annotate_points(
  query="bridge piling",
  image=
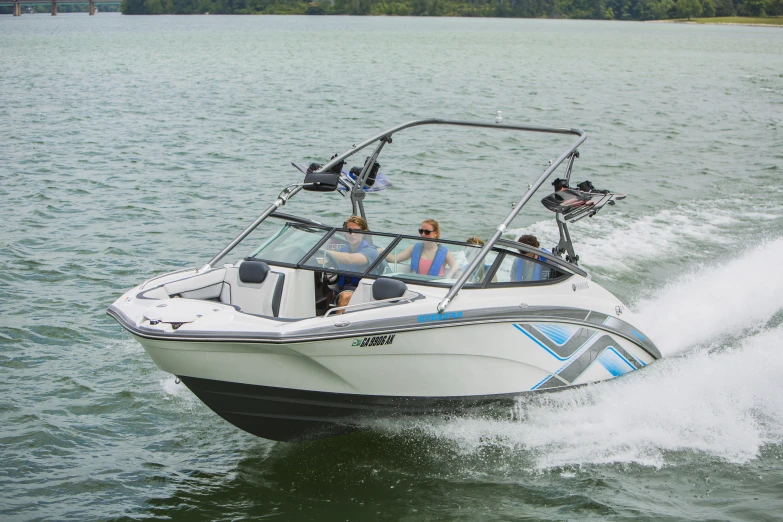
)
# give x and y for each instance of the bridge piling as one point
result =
(27, 6)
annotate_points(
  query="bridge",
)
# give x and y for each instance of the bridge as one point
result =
(92, 3)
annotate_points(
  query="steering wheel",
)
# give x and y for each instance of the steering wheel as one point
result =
(331, 277)
(328, 266)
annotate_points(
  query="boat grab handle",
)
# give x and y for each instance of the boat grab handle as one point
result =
(369, 304)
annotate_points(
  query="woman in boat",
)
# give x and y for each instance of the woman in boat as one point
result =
(357, 255)
(427, 257)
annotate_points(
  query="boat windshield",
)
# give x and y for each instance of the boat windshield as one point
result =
(387, 255)
(334, 255)
(427, 261)
(435, 261)
(290, 244)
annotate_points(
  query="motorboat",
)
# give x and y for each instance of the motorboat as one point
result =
(255, 334)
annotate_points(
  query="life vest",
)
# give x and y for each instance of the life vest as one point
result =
(518, 267)
(437, 263)
(346, 280)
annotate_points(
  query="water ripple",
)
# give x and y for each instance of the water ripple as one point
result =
(136, 147)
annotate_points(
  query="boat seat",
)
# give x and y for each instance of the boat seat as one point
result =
(205, 286)
(386, 288)
(256, 288)
(253, 271)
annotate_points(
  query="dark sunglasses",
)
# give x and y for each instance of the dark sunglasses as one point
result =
(426, 232)
(353, 231)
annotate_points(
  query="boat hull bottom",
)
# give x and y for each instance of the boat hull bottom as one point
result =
(290, 415)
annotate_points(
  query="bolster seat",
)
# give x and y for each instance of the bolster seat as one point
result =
(258, 289)
(387, 288)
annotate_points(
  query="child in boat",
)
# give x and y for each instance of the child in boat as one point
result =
(480, 271)
(526, 271)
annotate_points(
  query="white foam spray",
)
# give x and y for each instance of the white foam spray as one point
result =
(173, 389)
(617, 243)
(726, 404)
(722, 396)
(712, 302)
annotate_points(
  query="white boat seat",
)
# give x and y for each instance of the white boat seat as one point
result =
(386, 288)
(256, 288)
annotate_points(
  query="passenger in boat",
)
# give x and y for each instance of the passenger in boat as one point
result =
(529, 240)
(524, 271)
(358, 256)
(479, 276)
(427, 258)
(482, 270)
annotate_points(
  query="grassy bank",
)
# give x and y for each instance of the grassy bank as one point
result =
(740, 20)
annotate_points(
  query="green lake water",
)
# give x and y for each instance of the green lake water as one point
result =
(133, 146)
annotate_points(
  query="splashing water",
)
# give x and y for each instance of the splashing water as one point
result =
(616, 242)
(726, 404)
(173, 389)
(723, 398)
(740, 295)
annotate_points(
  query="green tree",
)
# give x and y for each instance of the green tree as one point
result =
(751, 8)
(774, 7)
(724, 8)
(419, 7)
(153, 7)
(132, 7)
(688, 8)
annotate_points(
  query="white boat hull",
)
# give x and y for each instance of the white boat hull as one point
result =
(312, 389)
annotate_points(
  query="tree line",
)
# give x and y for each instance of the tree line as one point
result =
(581, 9)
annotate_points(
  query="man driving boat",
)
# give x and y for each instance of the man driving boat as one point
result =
(356, 256)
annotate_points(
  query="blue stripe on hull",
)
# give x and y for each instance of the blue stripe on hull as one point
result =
(580, 347)
(615, 363)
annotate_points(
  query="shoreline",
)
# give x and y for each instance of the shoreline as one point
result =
(755, 23)
(708, 23)
(667, 21)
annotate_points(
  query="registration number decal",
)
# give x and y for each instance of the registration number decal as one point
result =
(378, 340)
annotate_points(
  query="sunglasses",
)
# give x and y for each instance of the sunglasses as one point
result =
(426, 232)
(354, 231)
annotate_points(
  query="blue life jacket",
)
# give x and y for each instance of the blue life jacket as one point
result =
(518, 266)
(437, 263)
(345, 280)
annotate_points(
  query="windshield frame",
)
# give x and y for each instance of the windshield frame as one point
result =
(502, 251)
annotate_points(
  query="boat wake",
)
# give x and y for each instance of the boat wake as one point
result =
(618, 243)
(718, 391)
(726, 403)
(729, 302)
